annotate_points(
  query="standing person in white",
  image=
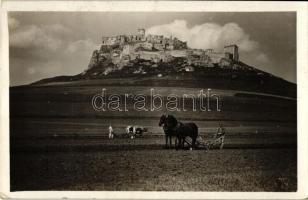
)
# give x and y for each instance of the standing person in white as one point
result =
(110, 132)
(220, 135)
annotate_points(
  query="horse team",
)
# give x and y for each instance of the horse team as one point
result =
(173, 128)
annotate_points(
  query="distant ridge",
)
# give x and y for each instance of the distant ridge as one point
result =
(175, 73)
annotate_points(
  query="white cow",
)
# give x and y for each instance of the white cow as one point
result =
(133, 131)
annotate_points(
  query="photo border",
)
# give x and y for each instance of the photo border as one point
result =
(158, 6)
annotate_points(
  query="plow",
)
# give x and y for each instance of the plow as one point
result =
(207, 144)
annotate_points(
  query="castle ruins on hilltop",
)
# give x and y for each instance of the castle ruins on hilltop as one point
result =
(157, 48)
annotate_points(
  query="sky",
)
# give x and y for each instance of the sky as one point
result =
(48, 44)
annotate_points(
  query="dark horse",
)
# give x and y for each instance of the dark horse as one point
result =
(169, 123)
(174, 128)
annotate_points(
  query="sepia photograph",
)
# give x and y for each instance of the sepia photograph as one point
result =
(157, 100)
(153, 102)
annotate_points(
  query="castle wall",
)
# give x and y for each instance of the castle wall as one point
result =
(169, 47)
(224, 62)
(179, 44)
(128, 49)
(198, 52)
(109, 40)
(147, 45)
(141, 31)
(178, 53)
(216, 57)
(141, 46)
(156, 39)
(155, 56)
(159, 47)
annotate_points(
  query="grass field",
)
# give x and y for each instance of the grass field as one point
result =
(156, 169)
(58, 142)
(75, 102)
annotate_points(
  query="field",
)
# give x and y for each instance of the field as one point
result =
(58, 142)
(140, 165)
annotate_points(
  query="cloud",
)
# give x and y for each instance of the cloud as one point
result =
(213, 36)
(261, 57)
(35, 37)
(13, 23)
(57, 30)
(47, 39)
(207, 35)
(81, 45)
(31, 70)
(41, 51)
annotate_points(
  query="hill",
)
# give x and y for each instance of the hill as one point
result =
(155, 60)
(178, 72)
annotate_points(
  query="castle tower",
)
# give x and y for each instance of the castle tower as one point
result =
(232, 49)
(209, 51)
(141, 31)
(141, 34)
